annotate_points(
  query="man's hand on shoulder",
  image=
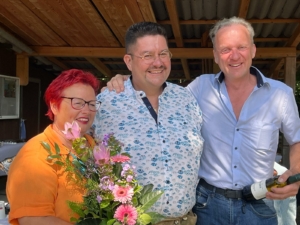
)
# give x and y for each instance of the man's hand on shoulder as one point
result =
(116, 83)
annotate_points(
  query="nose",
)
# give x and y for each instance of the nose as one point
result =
(157, 60)
(234, 54)
(85, 107)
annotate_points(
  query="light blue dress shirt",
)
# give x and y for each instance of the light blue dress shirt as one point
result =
(239, 152)
(166, 153)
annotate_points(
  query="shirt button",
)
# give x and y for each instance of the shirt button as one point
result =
(237, 129)
(235, 148)
(235, 185)
(234, 166)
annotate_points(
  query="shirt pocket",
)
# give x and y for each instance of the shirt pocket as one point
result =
(267, 135)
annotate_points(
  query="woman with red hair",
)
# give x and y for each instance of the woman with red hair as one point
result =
(38, 191)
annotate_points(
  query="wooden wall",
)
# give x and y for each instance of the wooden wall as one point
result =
(9, 128)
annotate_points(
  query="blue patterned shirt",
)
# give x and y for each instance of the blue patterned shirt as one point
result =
(166, 153)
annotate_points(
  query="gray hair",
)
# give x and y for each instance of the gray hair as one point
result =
(228, 22)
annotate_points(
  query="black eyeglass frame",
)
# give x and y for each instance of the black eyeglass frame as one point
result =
(97, 103)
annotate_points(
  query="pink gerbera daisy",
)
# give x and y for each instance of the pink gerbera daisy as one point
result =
(123, 194)
(126, 214)
(120, 158)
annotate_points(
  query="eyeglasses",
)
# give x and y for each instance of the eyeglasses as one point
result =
(149, 58)
(79, 103)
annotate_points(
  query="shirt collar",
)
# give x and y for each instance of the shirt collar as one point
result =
(142, 93)
(261, 80)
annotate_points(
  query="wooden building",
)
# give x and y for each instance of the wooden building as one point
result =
(39, 39)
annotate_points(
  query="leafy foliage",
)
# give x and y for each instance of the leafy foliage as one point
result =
(103, 171)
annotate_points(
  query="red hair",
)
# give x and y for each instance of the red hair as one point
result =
(66, 79)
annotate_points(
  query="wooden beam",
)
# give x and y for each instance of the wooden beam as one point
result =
(100, 66)
(275, 52)
(294, 39)
(172, 11)
(58, 63)
(22, 70)
(186, 69)
(105, 9)
(195, 22)
(243, 10)
(290, 72)
(146, 10)
(187, 53)
(278, 64)
(78, 52)
(134, 11)
(199, 40)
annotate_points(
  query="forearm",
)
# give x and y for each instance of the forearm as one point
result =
(295, 158)
(45, 220)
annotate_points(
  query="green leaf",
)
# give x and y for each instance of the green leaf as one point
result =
(53, 156)
(59, 163)
(149, 199)
(103, 222)
(117, 169)
(126, 154)
(75, 207)
(117, 223)
(145, 218)
(57, 150)
(90, 221)
(111, 222)
(134, 201)
(46, 146)
(73, 219)
(155, 217)
(147, 189)
(104, 204)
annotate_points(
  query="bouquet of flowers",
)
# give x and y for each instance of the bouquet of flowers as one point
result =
(113, 195)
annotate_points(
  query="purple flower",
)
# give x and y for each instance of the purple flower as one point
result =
(106, 138)
(129, 178)
(99, 199)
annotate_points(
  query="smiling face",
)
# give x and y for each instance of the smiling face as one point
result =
(147, 76)
(65, 113)
(234, 51)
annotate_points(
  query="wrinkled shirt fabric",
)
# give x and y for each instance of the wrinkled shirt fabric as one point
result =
(166, 153)
(239, 152)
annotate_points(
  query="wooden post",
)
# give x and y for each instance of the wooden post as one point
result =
(290, 80)
(22, 69)
(290, 72)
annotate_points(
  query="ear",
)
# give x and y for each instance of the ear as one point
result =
(216, 57)
(54, 108)
(128, 60)
(253, 50)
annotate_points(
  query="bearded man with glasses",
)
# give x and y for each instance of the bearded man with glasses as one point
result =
(158, 122)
